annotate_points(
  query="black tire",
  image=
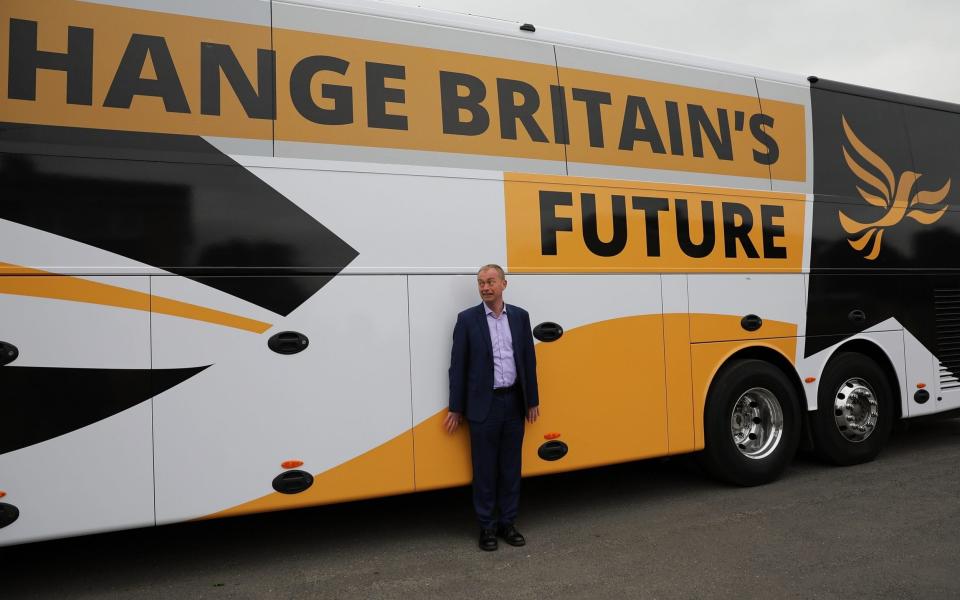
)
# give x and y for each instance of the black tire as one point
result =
(721, 456)
(830, 443)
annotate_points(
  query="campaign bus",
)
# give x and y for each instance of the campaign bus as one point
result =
(235, 235)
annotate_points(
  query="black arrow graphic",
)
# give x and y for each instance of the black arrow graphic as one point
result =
(171, 201)
(40, 403)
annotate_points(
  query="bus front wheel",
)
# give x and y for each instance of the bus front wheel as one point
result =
(751, 423)
(854, 410)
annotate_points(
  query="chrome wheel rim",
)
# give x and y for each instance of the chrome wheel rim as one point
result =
(855, 410)
(756, 423)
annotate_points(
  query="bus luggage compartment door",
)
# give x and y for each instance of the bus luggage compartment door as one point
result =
(75, 443)
(337, 411)
(745, 307)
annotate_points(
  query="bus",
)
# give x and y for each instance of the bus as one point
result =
(235, 235)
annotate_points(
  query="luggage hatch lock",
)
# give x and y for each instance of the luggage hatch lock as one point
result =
(8, 353)
(8, 514)
(292, 482)
(548, 332)
(288, 342)
(553, 450)
(751, 322)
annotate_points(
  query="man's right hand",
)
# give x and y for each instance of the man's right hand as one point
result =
(452, 421)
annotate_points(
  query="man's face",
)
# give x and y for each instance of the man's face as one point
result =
(491, 286)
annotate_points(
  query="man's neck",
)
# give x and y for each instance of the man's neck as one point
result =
(497, 308)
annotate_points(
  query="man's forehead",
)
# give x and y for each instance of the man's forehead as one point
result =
(488, 274)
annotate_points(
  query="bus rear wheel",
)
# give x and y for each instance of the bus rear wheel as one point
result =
(751, 423)
(854, 410)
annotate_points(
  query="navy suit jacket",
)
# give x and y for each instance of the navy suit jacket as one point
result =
(471, 362)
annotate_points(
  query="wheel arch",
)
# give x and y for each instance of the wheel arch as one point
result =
(767, 354)
(881, 357)
(718, 458)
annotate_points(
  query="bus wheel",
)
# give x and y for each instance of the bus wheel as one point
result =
(854, 410)
(751, 423)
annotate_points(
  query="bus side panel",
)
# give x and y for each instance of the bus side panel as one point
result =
(720, 309)
(75, 443)
(921, 367)
(442, 460)
(341, 406)
(911, 363)
(647, 120)
(420, 221)
(886, 208)
(676, 339)
(601, 384)
(788, 131)
(933, 142)
(413, 93)
(720, 305)
(194, 55)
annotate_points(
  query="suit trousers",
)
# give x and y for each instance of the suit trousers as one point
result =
(495, 448)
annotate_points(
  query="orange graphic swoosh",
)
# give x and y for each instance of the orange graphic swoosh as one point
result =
(76, 289)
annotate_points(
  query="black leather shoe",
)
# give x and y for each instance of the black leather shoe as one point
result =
(488, 540)
(510, 535)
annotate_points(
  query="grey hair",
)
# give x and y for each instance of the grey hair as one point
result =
(496, 268)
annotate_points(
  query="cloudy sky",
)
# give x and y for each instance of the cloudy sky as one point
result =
(909, 47)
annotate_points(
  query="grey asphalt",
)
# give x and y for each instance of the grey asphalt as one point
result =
(651, 529)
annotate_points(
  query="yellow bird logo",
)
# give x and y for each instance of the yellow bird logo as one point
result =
(895, 195)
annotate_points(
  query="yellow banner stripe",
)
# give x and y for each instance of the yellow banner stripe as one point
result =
(577, 224)
(160, 72)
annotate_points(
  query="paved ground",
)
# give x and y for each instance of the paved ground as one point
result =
(655, 529)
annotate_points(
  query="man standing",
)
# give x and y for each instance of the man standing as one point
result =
(493, 381)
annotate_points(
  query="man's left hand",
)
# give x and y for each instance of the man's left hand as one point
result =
(452, 421)
(532, 413)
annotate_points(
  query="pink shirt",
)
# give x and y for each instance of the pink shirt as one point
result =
(504, 366)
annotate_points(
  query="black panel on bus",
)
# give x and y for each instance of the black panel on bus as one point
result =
(886, 248)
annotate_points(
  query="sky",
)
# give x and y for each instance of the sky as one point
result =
(907, 47)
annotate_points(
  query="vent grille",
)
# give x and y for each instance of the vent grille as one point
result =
(948, 381)
(946, 304)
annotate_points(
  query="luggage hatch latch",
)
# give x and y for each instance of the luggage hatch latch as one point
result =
(8, 514)
(8, 353)
(553, 450)
(548, 332)
(292, 482)
(288, 342)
